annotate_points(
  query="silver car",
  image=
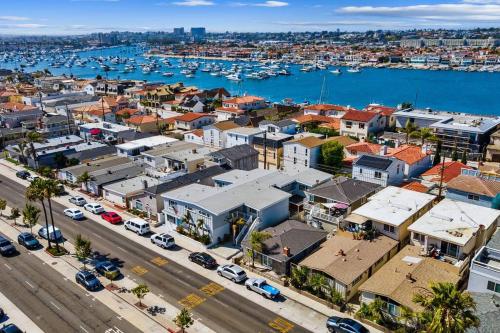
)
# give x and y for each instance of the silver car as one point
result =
(232, 272)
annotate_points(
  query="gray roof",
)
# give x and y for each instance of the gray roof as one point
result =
(344, 190)
(117, 173)
(295, 235)
(488, 311)
(374, 162)
(94, 153)
(104, 163)
(494, 242)
(235, 153)
(131, 185)
(170, 147)
(280, 123)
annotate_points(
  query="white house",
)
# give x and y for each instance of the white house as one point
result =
(379, 170)
(416, 160)
(195, 136)
(484, 274)
(89, 88)
(192, 120)
(302, 153)
(329, 110)
(241, 135)
(361, 124)
(135, 147)
(215, 135)
(245, 103)
(286, 126)
(119, 193)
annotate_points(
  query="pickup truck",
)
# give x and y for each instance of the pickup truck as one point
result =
(260, 286)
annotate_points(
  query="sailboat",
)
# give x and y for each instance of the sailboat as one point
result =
(336, 71)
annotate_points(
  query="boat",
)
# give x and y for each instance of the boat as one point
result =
(336, 71)
(354, 70)
(190, 76)
(234, 77)
(168, 74)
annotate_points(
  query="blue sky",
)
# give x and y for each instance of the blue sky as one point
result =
(84, 16)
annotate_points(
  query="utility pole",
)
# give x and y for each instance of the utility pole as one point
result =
(265, 150)
(68, 119)
(441, 179)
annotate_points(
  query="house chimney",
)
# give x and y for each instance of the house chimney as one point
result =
(286, 251)
(145, 183)
(383, 150)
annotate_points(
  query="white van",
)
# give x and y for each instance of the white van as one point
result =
(138, 226)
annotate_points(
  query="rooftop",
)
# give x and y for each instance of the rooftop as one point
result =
(190, 116)
(245, 130)
(374, 162)
(409, 154)
(104, 163)
(454, 221)
(132, 185)
(110, 127)
(393, 205)
(146, 142)
(345, 190)
(476, 185)
(362, 116)
(451, 170)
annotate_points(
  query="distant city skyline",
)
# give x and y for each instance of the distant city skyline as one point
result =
(71, 17)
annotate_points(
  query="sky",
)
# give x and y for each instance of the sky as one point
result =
(63, 17)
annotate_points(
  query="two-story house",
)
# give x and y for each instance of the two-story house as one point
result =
(191, 121)
(215, 135)
(286, 126)
(379, 170)
(361, 124)
(474, 190)
(329, 110)
(237, 106)
(241, 135)
(270, 148)
(484, 274)
(416, 161)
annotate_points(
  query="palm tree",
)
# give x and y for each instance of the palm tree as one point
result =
(299, 276)
(450, 310)
(200, 223)
(187, 219)
(31, 214)
(424, 134)
(317, 283)
(257, 239)
(408, 129)
(50, 188)
(84, 178)
(21, 149)
(34, 192)
(31, 138)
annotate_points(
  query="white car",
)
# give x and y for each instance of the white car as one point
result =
(79, 201)
(31, 178)
(74, 213)
(163, 240)
(232, 272)
(94, 208)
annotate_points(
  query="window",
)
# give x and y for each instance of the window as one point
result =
(348, 124)
(389, 228)
(449, 249)
(361, 125)
(294, 160)
(295, 150)
(419, 237)
(397, 170)
(360, 170)
(378, 174)
(305, 162)
(493, 286)
(306, 151)
(471, 196)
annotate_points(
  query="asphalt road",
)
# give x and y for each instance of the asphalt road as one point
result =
(225, 311)
(52, 303)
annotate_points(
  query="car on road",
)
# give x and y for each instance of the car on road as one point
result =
(94, 208)
(163, 240)
(260, 286)
(107, 269)
(10, 328)
(88, 280)
(203, 259)
(6, 247)
(112, 217)
(23, 174)
(31, 178)
(74, 213)
(27, 240)
(55, 233)
(79, 201)
(138, 226)
(232, 272)
(344, 325)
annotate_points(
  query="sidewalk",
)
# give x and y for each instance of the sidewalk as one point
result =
(297, 308)
(13, 315)
(121, 303)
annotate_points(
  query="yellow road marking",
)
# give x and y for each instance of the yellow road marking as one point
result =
(212, 288)
(139, 270)
(191, 300)
(159, 261)
(281, 325)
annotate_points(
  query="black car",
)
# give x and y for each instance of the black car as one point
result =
(28, 241)
(6, 247)
(2, 314)
(10, 328)
(23, 174)
(344, 325)
(203, 259)
(88, 280)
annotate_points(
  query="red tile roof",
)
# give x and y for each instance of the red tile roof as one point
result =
(363, 116)
(12, 106)
(475, 185)
(408, 154)
(364, 147)
(451, 170)
(383, 110)
(128, 111)
(243, 99)
(327, 107)
(417, 187)
(190, 116)
(307, 118)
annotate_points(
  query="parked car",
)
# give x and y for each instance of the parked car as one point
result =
(138, 226)
(23, 174)
(55, 233)
(163, 240)
(261, 287)
(232, 272)
(111, 217)
(79, 201)
(88, 280)
(2, 314)
(6, 247)
(94, 207)
(344, 325)
(28, 240)
(74, 213)
(60, 190)
(31, 178)
(107, 269)
(203, 259)
(10, 328)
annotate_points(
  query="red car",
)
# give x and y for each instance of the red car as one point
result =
(112, 217)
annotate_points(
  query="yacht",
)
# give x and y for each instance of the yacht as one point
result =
(168, 74)
(234, 77)
(354, 70)
(336, 71)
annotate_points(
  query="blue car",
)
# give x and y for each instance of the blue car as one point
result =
(10, 328)
(6, 247)
(28, 241)
(336, 324)
(88, 280)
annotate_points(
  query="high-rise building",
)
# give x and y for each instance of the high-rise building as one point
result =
(179, 31)
(198, 33)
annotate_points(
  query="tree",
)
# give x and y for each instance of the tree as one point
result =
(454, 154)
(61, 160)
(34, 192)
(50, 189)
(21, 149)
(31, 214)
(187, 219)
(140, 291)
(408, 129)
(257, 239)
(317, 283)
(200, 223)
(84, 178)
(14, 214)
(31, 138)
(83, 249)
(332, 154)
(3, 205)
(98, 77)
(334, 296)
(424, 134)
(449, 310)
(184, 319)
(299, 276)
(464, 157)
(437, 155)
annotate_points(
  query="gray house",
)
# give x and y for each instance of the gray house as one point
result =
(101, 178)
(243, 157)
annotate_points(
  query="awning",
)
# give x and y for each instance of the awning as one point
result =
(355, 218)
(95, 131)
(328, 204)
(341, 206)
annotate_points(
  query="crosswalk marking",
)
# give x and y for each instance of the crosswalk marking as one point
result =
(212, 288)
(191, 300)
(139, 270)
(159, 261)
(281, 325)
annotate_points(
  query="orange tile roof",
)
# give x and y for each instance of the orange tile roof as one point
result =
(243, 99)
(230, 110)
(451, 170)
(197, 132)
(364, 147)
(475, 185)
(417, 187)
(383, 110)
(408, 154)
(141, 119)
(356, 115)
(190, 116)
(335, 124)
(12, 106)
(128, 111)
(306, 118)
(327, 107)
